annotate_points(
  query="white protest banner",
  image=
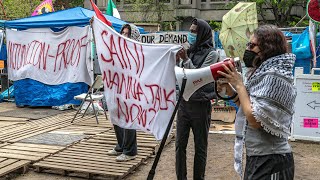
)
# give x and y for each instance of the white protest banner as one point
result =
(170, 37)
(312, 37)
(50, 57)
(139, 80)
(1, 38)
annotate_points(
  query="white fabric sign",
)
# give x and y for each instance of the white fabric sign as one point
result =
(170, 37)
(139, 80)
(1, 38)
(50, 57)
(312, 37)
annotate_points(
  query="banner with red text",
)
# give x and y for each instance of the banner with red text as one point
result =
(50, 57)
(139, 80)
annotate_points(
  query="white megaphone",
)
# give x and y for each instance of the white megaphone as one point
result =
(196, 78)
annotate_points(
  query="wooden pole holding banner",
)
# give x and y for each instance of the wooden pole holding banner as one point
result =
(92, 50)
(163, 141)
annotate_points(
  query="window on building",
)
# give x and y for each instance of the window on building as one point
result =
(185, 2)
(203, 0)
(134, 1)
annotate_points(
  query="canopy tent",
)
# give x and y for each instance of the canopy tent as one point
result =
(29, 92)
(77, 16)
(2, 24)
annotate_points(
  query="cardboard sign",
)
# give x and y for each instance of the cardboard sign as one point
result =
(1, 64)
(222, 113)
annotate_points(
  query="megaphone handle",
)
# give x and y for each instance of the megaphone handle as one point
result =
(163, 141)
(223, 98)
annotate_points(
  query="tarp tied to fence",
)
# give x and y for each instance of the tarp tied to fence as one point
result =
(139, 80)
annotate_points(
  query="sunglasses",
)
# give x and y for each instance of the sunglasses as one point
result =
(251, 45)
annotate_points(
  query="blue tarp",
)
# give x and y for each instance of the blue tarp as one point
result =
(287, 33)
(29, 92)
(3, 52)
(217, 42)
(2, 24)
(5, 94)
(70, 17)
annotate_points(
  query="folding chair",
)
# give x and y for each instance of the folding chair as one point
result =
(90, 97)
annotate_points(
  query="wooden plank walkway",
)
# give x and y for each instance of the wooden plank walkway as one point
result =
(220, 127)
(26, 151)
(9, 165)
(18, 156)
(88, 126)
(89, 157)
(29, 129)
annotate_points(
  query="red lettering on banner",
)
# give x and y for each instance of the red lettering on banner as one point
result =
(122, 111)
(127, 86)
(107, 59)
(69, 53)
(131, 94)
(135, 112)
(122, 64)
(160, 98)
(118, 51)
(36, 53)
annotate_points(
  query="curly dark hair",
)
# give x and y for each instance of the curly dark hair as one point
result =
(271, 42)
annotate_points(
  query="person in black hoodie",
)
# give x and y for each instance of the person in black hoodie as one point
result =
(195, 113)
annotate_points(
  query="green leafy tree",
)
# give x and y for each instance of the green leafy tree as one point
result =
(23, 8)
(216, 26)
(19, 8)
(151, 9)
(281, 10)
(66, 4)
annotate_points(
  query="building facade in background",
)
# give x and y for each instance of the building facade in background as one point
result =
(179, 11)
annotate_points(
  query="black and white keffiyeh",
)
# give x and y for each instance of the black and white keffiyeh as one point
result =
(272, 96)
(135, 33)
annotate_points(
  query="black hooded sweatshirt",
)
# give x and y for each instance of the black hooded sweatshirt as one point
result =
(198, 53)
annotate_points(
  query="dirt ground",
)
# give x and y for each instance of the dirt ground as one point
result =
(219, 162)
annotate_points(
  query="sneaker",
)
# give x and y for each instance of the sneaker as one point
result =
(113, 152)
(124, 158)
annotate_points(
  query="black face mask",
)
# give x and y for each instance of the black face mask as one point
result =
(248, 58)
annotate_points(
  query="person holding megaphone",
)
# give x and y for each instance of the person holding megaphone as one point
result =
(266, 106)
(195, 113)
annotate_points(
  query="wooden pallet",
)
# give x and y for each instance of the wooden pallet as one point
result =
(10, 165)
(143, 139)
(103, 122)
(36, 127)
(222, 127)
(89, 157)
(7, 125)
(87, 126)
(29, 152)
(13, 119)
